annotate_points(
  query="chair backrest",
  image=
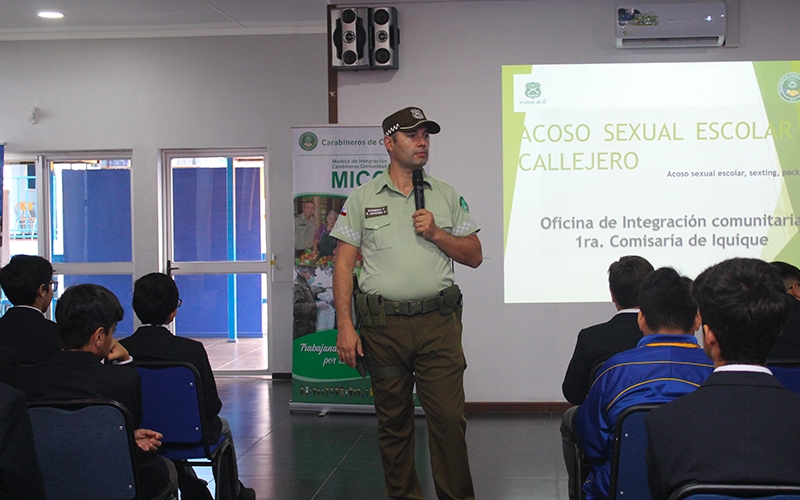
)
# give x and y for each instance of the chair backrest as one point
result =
(699, 491)
(593, 372)
(628, 467)
(86, 449)
(787, 373)
(172, 403)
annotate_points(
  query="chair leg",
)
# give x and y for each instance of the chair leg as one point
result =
(579, 474)
(225, 472)
(234, 482)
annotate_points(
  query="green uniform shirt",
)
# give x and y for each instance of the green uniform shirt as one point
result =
(398, 263)
(304, 231)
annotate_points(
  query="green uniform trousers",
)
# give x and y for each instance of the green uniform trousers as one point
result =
(428, 347)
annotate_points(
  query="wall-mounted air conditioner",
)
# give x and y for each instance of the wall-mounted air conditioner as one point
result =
(670, 25)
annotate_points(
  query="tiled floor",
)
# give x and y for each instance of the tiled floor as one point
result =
(303, 456)
(244, 354)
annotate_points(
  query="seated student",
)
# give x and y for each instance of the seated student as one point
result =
(9, 366)
(27, 281)
(597, 343)
(94, 365)
(667, 363)
(740, 426)
(787, 347)
(20, 476)
(156, 302)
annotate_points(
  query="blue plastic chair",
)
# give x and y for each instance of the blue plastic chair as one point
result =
(787, 373)
(699, 491)
(172, 404)
(86, 450)
(628, 466)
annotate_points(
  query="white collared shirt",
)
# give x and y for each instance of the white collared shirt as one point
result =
(34, 308)
(743, 368)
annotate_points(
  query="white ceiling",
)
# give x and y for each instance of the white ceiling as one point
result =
(146, 18)
(160, 18)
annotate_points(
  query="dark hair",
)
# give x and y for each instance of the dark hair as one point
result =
(788, 272)
(82, 309)
(743, 301)
(22, 277)
(155, 296)
(625, 277)
(666, 301)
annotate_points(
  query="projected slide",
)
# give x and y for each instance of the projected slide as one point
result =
(685, 164)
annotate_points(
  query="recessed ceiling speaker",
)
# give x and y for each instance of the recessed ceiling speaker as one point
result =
(384, 38)
(350, 48)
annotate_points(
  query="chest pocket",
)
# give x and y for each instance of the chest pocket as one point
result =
(377, 232)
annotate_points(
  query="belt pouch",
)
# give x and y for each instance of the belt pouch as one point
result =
(363, 309)
(377, 310)
(449, 298)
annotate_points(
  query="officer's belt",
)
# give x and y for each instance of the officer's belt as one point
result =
(411, 307)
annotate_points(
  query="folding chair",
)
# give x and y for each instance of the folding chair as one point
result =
(628, 466)
(86, 449)
(699, 491)
(172, 404)
(593, 372)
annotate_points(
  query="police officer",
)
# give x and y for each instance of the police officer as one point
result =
(409, 307)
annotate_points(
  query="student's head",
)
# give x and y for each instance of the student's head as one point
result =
(791, 277)
(666, 302)
(25, 278)
(743, 305)
(155, 298)
(84, 309)
(625, 278)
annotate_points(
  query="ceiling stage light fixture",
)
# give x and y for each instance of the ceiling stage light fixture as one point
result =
(51, 15)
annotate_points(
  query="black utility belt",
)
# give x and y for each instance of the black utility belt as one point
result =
(373, 308)
(411, 307)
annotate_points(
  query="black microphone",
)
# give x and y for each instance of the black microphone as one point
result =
(419, 189)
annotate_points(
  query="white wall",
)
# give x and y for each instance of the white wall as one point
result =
(151, 94)
(450, 65)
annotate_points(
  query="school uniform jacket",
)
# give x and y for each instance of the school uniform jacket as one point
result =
(595, 345)
(661, 368)
(30, 334)
(738, 427)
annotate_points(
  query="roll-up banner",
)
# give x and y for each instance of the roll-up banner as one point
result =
(2, 187)
(329, 161)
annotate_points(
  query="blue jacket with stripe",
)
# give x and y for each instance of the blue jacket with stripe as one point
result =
(659, 369)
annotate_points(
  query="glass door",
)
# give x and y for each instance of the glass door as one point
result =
(20, 229)
(87, 233)
(217, 252)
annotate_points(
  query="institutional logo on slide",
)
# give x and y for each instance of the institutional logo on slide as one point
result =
(789, 87)
(533, 90)
(308, 141)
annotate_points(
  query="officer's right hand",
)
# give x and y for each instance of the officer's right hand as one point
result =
(348, 345)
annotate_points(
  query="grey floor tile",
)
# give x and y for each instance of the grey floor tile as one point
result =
(306, 457)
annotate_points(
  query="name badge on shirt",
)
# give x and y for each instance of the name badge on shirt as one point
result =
(376, 211)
